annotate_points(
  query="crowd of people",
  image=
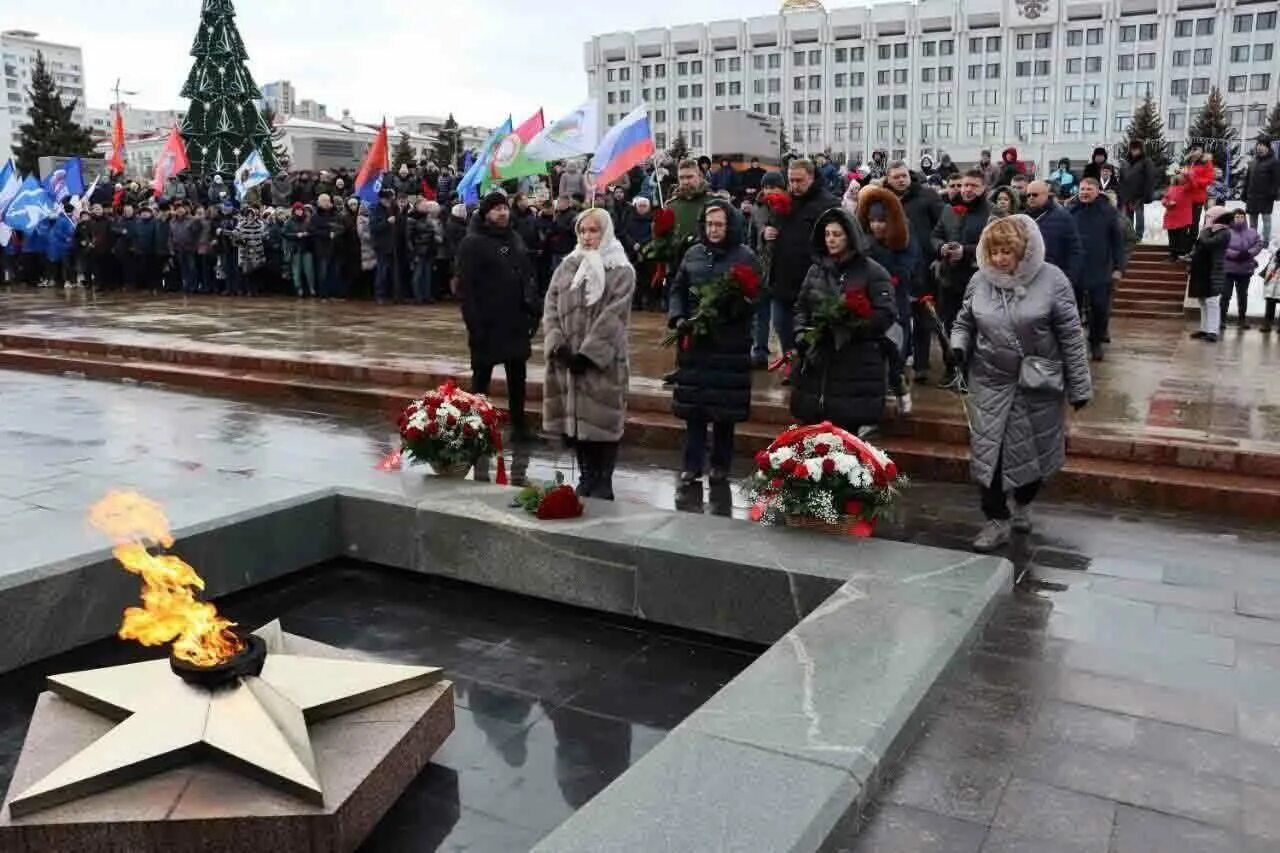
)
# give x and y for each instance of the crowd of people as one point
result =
(859, 274)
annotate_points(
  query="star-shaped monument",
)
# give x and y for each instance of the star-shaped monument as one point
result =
(258, 723)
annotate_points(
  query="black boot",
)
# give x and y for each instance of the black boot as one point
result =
(586, 468)
(606, 459)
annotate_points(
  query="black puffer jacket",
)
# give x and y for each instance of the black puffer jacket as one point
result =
(713, 376)
(1262, 184)
(499, 294)
(965, 229)
(923, 207)
(843, 384)
(421, 234)
(1208, 279)
(792, 250)
(1137, 184)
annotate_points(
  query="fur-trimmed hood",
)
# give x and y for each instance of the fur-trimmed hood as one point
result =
(899, 233)
(857, 239)
(1030, 265)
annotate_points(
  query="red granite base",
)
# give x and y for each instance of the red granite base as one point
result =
(365, 759)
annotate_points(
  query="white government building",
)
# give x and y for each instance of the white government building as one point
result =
(1055, 78)
(18, 49)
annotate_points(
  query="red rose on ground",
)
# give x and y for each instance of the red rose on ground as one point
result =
(858, 303)
(560, 502)
(747, 278)
(853, 507)
(822, 449)
(762, 461)
(828, 465)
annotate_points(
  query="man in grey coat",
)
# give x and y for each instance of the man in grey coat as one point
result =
(1019, 334)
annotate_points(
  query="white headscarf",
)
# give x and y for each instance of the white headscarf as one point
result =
(592, 263)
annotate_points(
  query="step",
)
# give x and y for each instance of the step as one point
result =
(1140, 314)
(1148, 283)
(930, 445)
(1128, 303)
(1164, 295)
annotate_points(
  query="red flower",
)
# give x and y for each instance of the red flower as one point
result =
(959, 209)
(777, 483)
(451, 421)
(822, 449)
(779, 203)
(858, 303)
(463, 406)
(789, 466)
(800, 471)
(468, 430)
(893, 279)
(663, 221)
(686, 343)
(762, 461)
(853, 507)
(828, 465)
(413, 434)
(560, 502)
(891, 471)
(862, 528)
(757, 512)
(433, 428)
(747, 278)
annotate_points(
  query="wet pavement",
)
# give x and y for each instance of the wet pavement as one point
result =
(1124, 699)
(1156, 382)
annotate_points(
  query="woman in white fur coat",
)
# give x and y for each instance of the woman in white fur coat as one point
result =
(585, 319)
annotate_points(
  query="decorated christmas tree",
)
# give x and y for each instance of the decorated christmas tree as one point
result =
(223, 123)
(1272, 130)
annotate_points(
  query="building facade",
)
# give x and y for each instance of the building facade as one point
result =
(18, 49)
(280, 96)
(138, 122)
(1054, 78)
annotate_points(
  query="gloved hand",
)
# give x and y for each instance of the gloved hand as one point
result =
(673, 322)
(580, 364)
(535, 323)
(1079, 404)
(958, 358)
(561, 356)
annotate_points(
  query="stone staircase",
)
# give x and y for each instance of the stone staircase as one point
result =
(1152, 287)
(1171, 471)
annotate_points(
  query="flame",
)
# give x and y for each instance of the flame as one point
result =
(170, 611)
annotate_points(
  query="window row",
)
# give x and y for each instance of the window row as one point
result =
(1200, 27)
(1256, 53)
(1249, 23)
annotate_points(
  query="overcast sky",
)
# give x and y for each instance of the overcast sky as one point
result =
(479, 59)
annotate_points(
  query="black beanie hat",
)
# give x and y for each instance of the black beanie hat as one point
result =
(492, 200)
(773, 179)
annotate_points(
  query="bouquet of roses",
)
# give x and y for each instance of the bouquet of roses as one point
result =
(550, 501)
(661, 249)
(823, 474)
(779, 204)
(837, 320)
(449, 428)
(719, 300)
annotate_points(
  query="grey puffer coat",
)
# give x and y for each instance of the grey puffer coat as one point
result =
(599, 332)
(1033, 309)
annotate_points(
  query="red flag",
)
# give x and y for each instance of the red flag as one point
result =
(173, 159)
(116, 163)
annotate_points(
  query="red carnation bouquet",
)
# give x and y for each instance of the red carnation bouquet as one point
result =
(550, 501)
(449, 429)
(721, 300)
(836, 321)
(823, 475)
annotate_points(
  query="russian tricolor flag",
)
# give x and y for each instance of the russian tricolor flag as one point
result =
(628, 143)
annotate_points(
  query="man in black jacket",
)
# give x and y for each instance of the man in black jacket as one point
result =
(1094, 168)
(1137, 186)
(955, 245)
(792, 246)
(751, 177)
(382, 227)
(1061, 239)
(500, 305)
(1262, 187)
(1102, 230)
(923, 208)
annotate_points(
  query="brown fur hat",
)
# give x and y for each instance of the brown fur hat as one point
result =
(898, 234)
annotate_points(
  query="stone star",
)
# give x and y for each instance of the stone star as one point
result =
(258, 723)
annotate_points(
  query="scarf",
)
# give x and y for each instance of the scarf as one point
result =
(592, 263)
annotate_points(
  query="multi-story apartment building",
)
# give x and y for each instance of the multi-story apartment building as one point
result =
(280, 96)
(1054, 78)
(18, 49)
(138, 122)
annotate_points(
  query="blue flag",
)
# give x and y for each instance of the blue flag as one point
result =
(59, 238)
(29, 207)
(66, 180)
(468, 187)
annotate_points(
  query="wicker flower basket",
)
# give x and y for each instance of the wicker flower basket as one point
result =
(843, 527)
(456, 471)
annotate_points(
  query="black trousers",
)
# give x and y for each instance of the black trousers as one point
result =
(995, 504)
(482, 375)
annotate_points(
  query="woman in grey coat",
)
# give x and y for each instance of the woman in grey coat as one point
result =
(588, 368)
(1019, 334)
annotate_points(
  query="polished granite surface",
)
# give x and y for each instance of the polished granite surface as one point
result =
(553, 702)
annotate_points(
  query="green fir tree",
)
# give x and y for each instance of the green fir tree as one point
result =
(679, 149)
(277, 147)
(1212, 132)
(223, 123)
(1272, 130)
(50, 130)
(1147, 128)
(403, 154)
(448, 144)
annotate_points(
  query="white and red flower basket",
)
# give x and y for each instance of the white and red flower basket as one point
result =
(825, 478)
(450, 430)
